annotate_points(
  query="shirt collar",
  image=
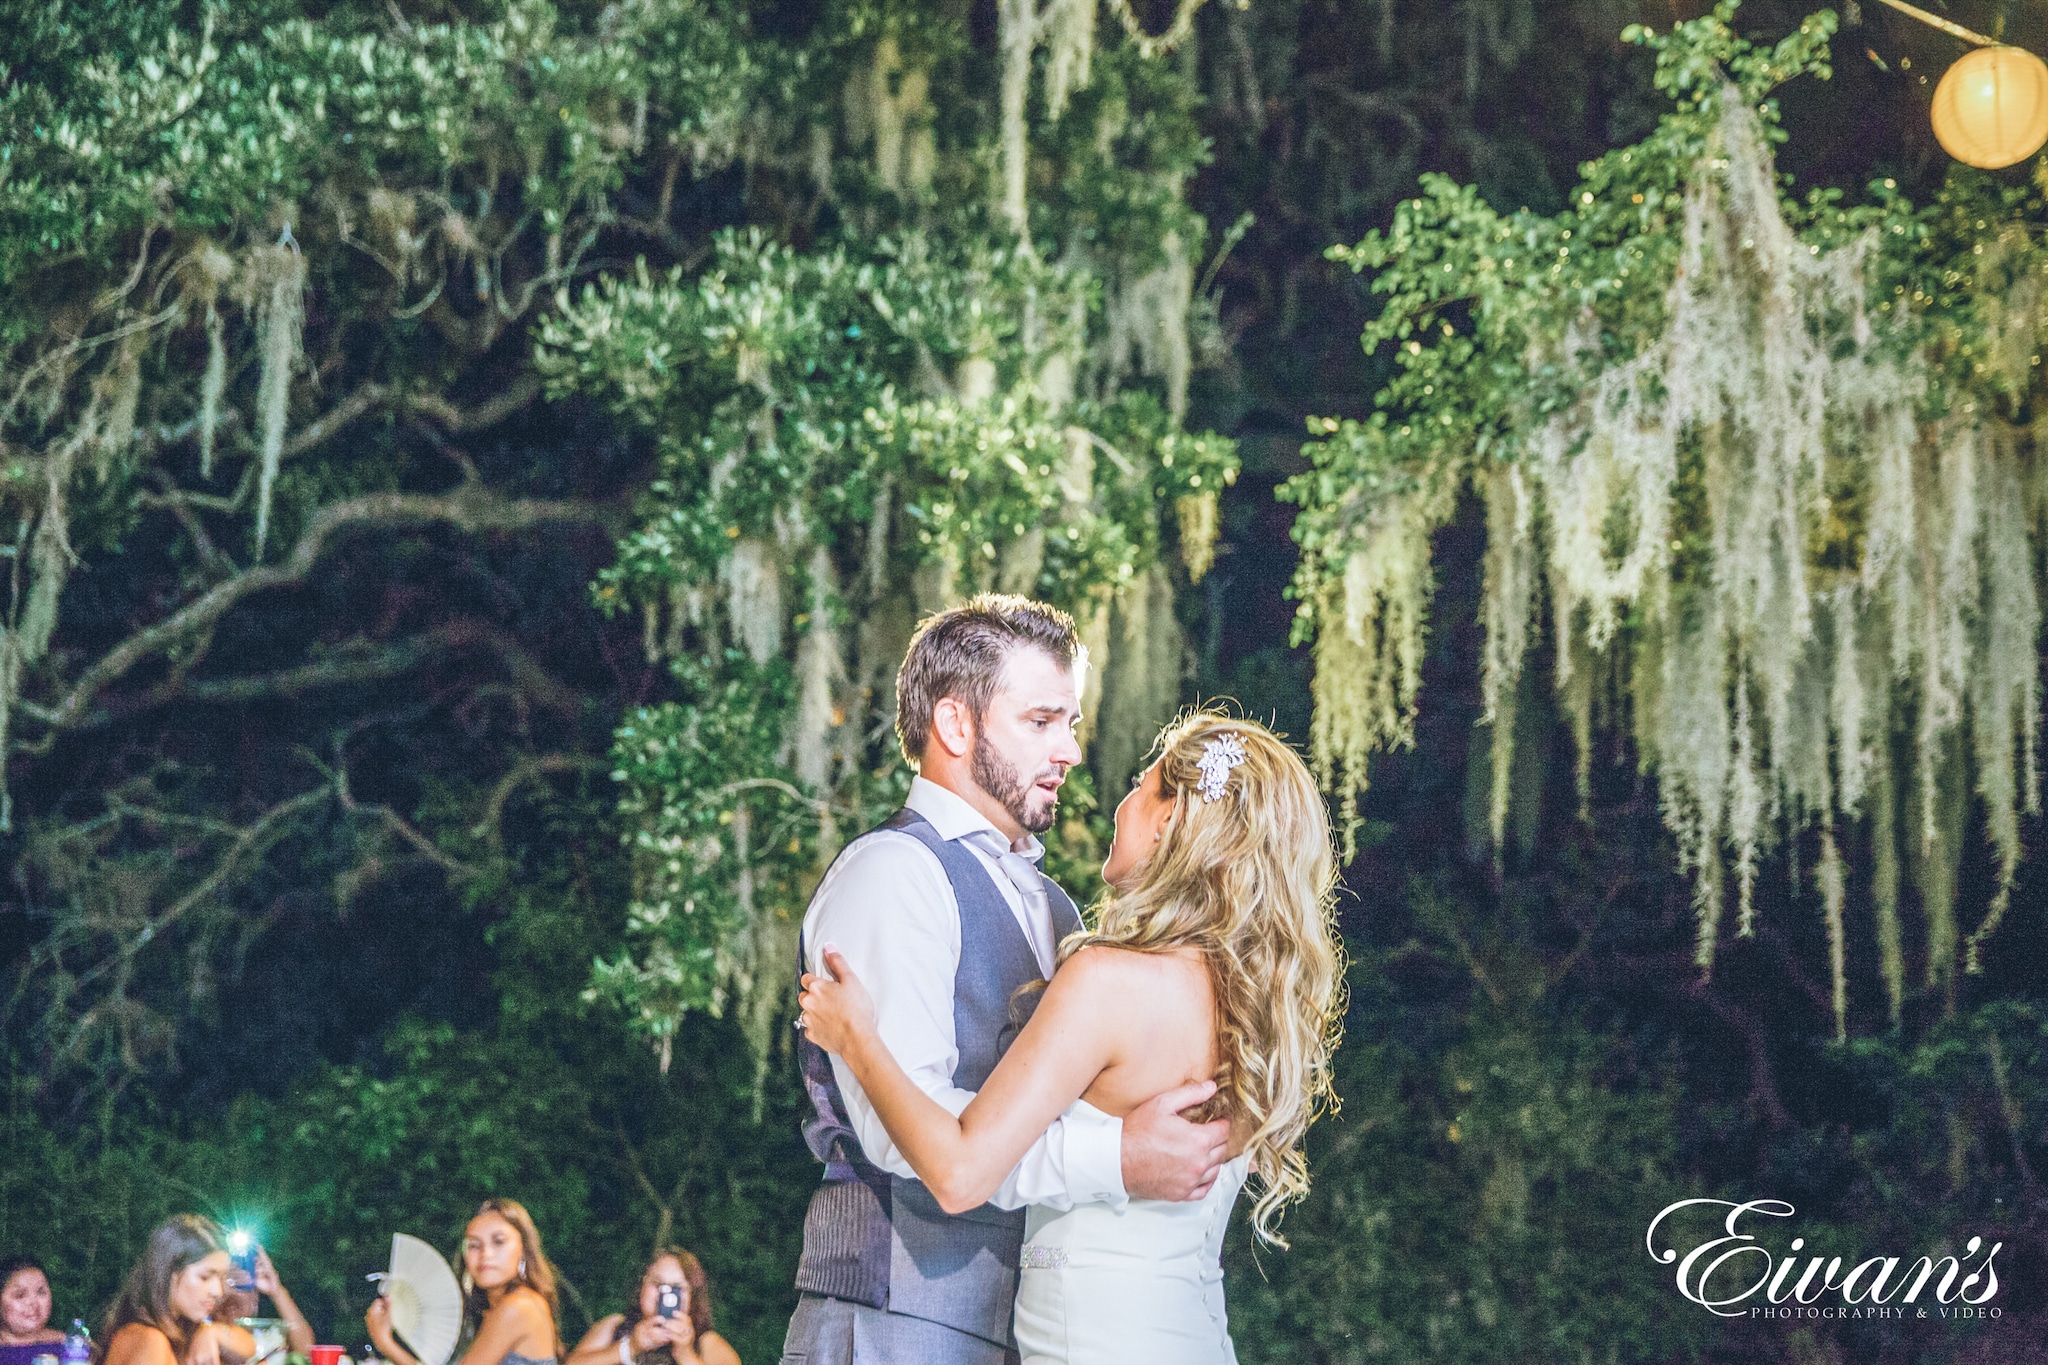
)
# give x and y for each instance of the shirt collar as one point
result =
(954, 818)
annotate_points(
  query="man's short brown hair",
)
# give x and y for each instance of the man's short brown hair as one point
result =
(960, 654)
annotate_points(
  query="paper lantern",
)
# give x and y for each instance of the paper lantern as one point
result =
(1991, 109)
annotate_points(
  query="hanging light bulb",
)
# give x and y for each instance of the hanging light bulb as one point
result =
(1991, 109)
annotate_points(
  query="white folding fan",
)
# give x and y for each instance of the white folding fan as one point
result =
(426, 1303)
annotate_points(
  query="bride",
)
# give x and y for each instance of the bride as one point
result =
(1215, 957)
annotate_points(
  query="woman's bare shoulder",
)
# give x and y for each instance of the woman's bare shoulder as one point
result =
(140, 1344)
(1126, 984)
(525, 1305)
(1106, 967)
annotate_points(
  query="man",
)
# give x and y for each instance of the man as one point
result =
(944, 913)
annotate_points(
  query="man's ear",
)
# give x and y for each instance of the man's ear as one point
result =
(953, 726)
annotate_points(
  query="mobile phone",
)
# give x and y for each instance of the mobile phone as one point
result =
(668, 1300)
(242, 1253)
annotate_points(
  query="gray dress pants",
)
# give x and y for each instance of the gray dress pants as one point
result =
(835, 1332)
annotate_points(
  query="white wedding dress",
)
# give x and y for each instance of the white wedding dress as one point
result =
(1139, 1285)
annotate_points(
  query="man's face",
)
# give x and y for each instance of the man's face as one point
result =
(1025, 742)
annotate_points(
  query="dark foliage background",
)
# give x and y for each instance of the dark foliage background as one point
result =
(1531, 1070)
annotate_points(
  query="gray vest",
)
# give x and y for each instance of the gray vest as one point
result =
(882, 1240)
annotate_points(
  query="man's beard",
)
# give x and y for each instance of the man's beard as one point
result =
(999, 777)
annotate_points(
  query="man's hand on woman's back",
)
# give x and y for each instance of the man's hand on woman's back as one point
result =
(1167, 1157)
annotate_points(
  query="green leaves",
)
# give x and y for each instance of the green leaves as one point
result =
(842, 432)
(856, 433)
(863, 398)
(1705, 415)
(1491, 319)
(248, 114)
(1472, 1199)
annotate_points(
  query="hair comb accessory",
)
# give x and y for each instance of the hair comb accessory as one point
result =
(1219, 756)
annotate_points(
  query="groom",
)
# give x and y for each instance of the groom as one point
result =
(943, 912)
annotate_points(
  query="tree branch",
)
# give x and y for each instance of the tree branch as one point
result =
(357, 661)
(246, 838)
(2014, 1116)
(393, 821)
(216, 564)
(1788, 961)
(492, 826)
(426, 847)
(372, 396)
(470, 337)
(776, 784)
(363, 401)
(249, 838)
(467, 509)
(74, 347)
(486, 414)
(639, 1174)
(355, 666)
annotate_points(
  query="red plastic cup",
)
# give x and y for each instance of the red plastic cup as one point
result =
(326, 1355)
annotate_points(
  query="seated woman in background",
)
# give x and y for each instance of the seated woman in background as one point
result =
(25, 1330)
(241, 1302)
(510, 1294)
(646, 1335)
(160, 1317)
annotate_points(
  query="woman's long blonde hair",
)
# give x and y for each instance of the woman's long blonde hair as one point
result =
(1249, 878)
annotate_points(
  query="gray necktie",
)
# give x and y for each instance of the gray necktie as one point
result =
(1023, 874)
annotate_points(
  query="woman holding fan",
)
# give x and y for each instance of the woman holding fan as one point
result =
(509, 1289)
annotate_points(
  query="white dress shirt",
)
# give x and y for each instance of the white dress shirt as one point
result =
(887, 907)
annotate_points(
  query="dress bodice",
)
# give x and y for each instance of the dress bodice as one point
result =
(514, 1358)
(1130, 1286)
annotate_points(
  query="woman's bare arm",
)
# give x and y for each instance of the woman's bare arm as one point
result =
(714, 1349)
(297, 1331)
(232, 1339)
(599, 1346)
(1071, 1039)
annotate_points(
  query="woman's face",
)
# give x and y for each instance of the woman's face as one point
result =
(492, 1251)
(1140, 819)
(25, 1302)
(198, 1289)
(667, 1270)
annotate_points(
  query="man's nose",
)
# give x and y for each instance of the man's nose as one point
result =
(1066, 753)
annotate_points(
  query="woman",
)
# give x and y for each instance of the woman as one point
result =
(1215, 956)
(644, 1336)
(25, 1330)
(510, 1289)
(241, 1302)
(162, 1314)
